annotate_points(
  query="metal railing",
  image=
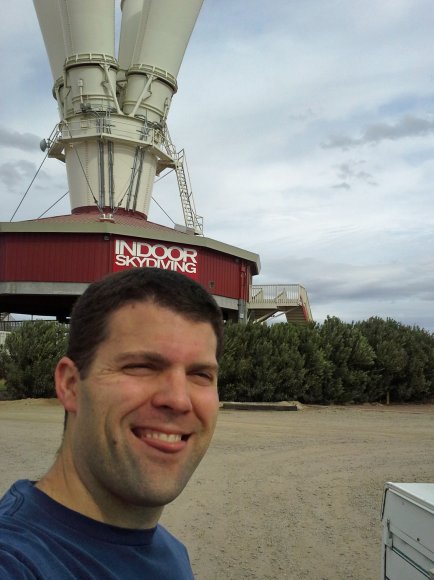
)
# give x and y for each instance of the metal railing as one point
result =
(275, 293)
(283, 294)
(11, 325)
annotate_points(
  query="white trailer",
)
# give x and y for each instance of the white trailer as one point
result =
(408, 531)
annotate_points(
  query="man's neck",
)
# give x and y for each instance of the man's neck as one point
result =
(63, 485)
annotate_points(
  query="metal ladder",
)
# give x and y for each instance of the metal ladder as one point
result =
(192, 220)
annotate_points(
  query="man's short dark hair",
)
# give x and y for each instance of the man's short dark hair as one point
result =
(91, 313)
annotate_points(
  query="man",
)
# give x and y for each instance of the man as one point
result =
(139, 388)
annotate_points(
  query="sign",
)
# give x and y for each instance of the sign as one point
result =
(140, 254)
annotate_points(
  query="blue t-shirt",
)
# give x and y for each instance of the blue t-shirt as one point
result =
(41, 539)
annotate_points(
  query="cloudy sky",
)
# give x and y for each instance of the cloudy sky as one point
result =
(309, 132)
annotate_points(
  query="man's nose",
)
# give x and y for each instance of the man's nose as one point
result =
(173, 391)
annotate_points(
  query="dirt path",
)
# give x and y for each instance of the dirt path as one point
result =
(280, 495)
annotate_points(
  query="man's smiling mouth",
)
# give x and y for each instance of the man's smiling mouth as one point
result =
(159, 435)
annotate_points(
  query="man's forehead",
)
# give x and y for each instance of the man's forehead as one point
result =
(153, 307)
(133, 330)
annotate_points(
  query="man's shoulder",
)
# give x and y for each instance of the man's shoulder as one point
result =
(19, 540)
(12, 567)
(26, 556)
(44, 540)
(169, 541)
(15, 495)
(15, 563)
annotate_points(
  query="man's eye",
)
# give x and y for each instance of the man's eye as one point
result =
(204, 376)
(138, 368)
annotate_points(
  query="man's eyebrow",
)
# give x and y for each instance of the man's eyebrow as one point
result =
(205, 366)
(141, 356)
(157, 358)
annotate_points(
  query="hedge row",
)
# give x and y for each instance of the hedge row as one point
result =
(333, 362)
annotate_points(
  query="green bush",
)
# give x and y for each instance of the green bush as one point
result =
(333, 362)
(29, 356)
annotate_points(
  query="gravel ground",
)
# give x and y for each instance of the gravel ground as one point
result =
(280, 495)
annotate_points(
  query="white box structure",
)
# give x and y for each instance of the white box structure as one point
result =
(408, 531)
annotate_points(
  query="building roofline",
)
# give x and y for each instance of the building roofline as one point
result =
(106, 227)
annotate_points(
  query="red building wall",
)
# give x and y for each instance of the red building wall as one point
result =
(83, 258)
(48, 257)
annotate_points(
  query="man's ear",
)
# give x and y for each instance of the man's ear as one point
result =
(67, 380)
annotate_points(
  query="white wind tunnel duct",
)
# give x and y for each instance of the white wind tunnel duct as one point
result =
(112, 110)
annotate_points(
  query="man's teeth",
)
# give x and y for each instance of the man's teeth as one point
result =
(170, 438)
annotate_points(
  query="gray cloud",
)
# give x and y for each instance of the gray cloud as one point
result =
(351, 172)
(306, 115)
(356, 292)
(22, 141)
(409, 126)
(380, 290)
(16, 175)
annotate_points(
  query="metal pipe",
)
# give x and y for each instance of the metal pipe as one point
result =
(112, 88)
(139, 175)
(132, 176)
(110, 175)
(142, 95)
(101, 174)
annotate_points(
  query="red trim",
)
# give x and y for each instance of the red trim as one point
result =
(93, 210)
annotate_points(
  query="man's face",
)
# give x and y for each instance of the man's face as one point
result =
(147, 409)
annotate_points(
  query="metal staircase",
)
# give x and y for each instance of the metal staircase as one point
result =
(289, 299)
